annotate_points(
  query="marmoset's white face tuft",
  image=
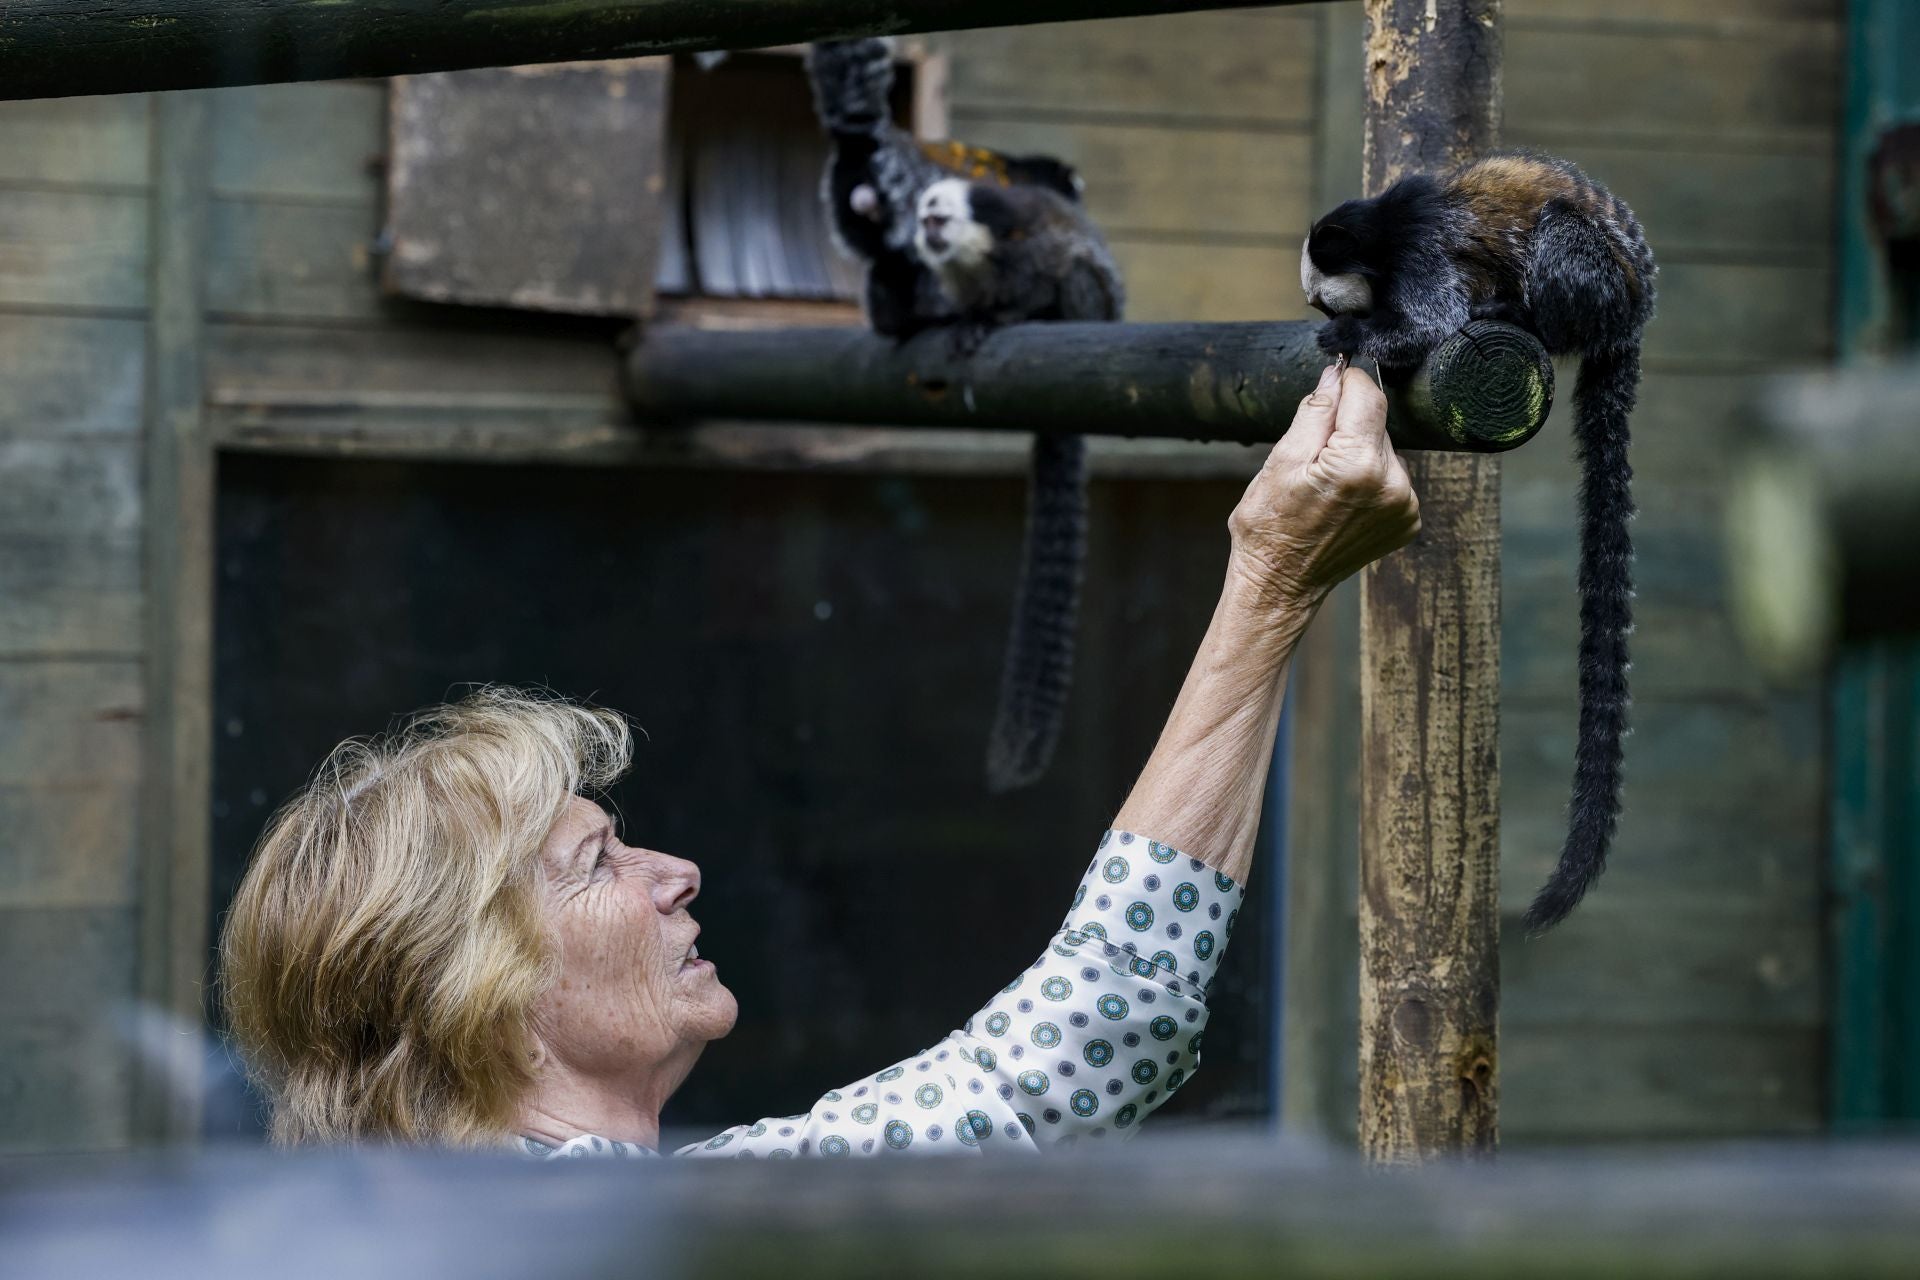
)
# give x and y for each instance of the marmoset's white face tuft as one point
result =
(947, 234)
(1348, 293)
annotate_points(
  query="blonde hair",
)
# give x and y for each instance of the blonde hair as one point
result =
(383, 954)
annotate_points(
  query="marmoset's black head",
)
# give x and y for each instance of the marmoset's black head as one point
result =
(1351, 249)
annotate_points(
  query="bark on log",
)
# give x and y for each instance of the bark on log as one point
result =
(1430, 678)
(1488, 389)
(70, 48)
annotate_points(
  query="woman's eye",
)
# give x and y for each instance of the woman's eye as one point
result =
(600, 858)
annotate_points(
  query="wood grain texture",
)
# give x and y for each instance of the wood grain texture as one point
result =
(70, 532)
(1187, 183)
(70, 723)
(75, 141)
(64, 1072)
(82, 249)
(1430, 680)
(68, 846)
(1221, 66)
(537, 188)
(301, 142)
(70, 376)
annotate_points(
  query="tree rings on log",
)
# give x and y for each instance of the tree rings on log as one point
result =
(1487, 389)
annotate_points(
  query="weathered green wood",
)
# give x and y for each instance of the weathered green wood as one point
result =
(70, 48)
(70, 548)
(276, 261)
(70, 376)
(1189, 184)
(63, 1071)
(73, 249)
(1202, 382)
(178, 743)
(98, 141)
(1684, 13)
(1598, 1083)
(1602, 82)
(1663, 965)
(322, 141)
(1758, 317)
(69, 724)
(1231, 67)
(68, 846)
(1172, 282)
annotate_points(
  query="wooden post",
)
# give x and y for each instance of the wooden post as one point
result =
(1430, 678)
(178, 766)
(1489, 388)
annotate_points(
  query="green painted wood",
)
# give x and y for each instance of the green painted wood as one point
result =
(1602, 81)
(1874, 829)
(1192, 185)
(100, 141)
(69, 48)
(68, 846)
(70, 537)
(1225, 66)
(69, 723)
(70, 376)
(300, 141)
(63, 1072)
(84, 249)
(276, 261)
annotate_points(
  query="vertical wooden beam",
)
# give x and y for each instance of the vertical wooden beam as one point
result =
(179, 623)
(1430, 677)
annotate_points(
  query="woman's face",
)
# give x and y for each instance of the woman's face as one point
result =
(633, 993)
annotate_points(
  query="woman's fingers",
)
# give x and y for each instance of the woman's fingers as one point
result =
(1313, 422)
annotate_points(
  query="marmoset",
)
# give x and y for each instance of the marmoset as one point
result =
(1001, 255)
(1532, 241)
(877, 172)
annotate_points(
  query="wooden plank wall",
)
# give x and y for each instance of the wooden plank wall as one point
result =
(1684, 1001)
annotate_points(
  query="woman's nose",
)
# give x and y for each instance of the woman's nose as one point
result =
(677, 884)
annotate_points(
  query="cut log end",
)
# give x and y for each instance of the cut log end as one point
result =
(1486, 389)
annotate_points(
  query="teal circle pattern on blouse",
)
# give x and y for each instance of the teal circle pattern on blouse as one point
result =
(928, 1096)
(899, 1134)
(1112, 1007)
(866, 1113)
(1098, 1053)
(1145, 1071)
(1203, 944)
(1045, 1035)
(1162, 853)
(1033, 1083)
(997, 1024)
(834, 1146)
(1115, 870)
(1084, 1103)
(1163, 1028)
(1186, 896)
(1140, 917)
(1056, 988)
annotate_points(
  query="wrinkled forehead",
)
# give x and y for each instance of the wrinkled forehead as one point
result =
(581, 821)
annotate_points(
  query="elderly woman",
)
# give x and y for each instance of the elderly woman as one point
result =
(442, 940)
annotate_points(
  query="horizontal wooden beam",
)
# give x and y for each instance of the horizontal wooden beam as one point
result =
(1485, 390)
(72, 48)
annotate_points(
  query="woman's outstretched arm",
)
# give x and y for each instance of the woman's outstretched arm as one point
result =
(1332, 497)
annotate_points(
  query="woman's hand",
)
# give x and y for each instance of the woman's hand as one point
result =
(1332, 497)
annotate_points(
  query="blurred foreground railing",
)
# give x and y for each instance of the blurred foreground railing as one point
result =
(1187, 1208)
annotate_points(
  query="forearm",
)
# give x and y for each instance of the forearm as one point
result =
(1201, 788)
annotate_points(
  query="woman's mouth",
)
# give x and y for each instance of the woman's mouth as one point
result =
(693, 961)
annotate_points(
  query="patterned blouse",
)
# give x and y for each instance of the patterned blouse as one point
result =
(1100, 1031)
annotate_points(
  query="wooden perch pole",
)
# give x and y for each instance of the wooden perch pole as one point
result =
(1823, 518)
(1430, 678)
(1487, 389)
(70, 48)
